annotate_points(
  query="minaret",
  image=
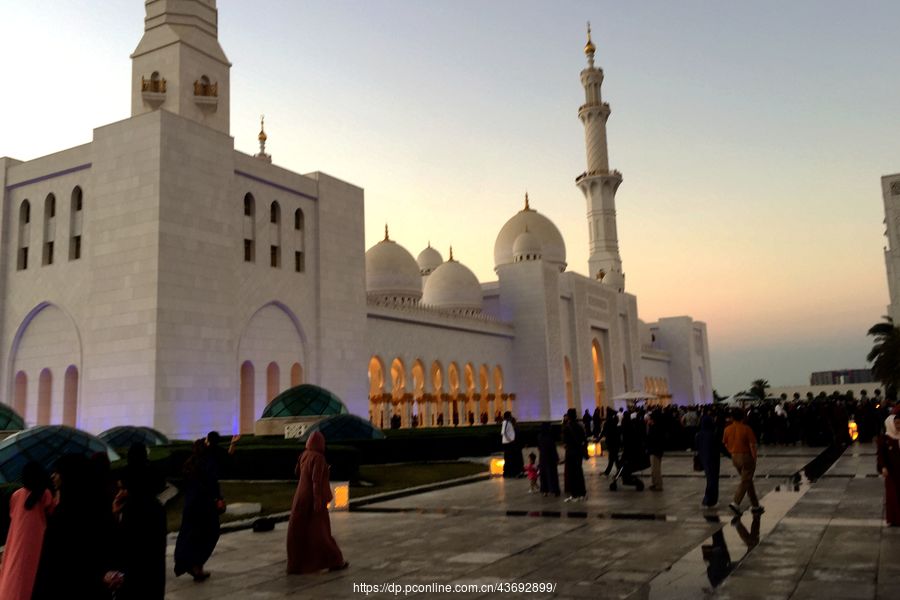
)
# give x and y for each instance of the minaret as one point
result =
(262, 137)
(598, 183)
(179, 65)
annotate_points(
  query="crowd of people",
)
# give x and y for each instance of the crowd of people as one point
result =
(83, 532)
(637, 439)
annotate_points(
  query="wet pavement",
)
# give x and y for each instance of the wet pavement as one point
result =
(823, 539)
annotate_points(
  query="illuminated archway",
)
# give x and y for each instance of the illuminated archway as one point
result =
(70, 396)
(376, 392)
(247, 403)
(45, 396)
(570, 394)
(599, 374)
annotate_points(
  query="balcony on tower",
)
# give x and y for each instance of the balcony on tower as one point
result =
(206, 94)
(153, 90)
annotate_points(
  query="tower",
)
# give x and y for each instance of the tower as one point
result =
(179, 65)
(890, 189)
(598, 183)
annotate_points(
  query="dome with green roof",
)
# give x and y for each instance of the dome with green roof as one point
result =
(304, 400)
(10, 420)
(45, 445)
(124, 436)
(339, 428)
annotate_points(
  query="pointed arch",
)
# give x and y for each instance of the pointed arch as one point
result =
(418, 378)
(398, 378)
(296, 374)
(45, 397)
(70, 397)
(273, 374)
(20, 396)
(24, 235)
(437, 378)
(75, 223)
(248, 400)
(376, 377)
(453, 379)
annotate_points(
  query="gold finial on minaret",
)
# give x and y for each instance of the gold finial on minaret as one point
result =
(527, 207)
(589, 48)
(386, 237)
(262, 137)
(451, 252)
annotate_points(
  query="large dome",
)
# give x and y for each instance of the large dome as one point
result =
(527, 247)
(553, 247)
(305, 400)
(45, 445)
(338, 428)
(392, 272)
(452, 286)
(429, 259)
(124, 436)
(10, 419)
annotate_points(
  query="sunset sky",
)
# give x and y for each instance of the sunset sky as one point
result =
(751, 137)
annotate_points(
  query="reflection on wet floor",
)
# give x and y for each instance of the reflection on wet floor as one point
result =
(707, 566)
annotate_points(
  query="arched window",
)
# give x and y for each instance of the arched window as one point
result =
(249, 228)
(398, 378)
(70, 397)
(20, 400)
(24, 235)
(296, 374)
(45, 397)
(275, 220)
(248, 404)
(299, 220)
(75, 223)
(275, 213)
(49, 228)
(418, 377)
(376, 391)
(272, 376)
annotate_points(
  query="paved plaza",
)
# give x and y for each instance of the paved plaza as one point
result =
(819, 540)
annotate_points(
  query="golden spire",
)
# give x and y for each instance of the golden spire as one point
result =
(589, 48)
(262, 129)
(386, 237)
(451, 252)
(526, 202)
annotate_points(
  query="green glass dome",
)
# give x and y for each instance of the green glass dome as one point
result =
(10, 419)
(126, 435)
(339, 428)
(305, 400)
(45, 445)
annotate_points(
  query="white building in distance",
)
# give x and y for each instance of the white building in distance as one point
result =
(157, 276)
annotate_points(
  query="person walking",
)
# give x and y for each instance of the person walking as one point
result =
(199, 532)
(709, 448)
(142, 529)
(740, 441)
(889, 467)
(634, 451)
(512, 456)
(612, 438)
(576, 451)
(310, 545)
(656, 442)
(29, 508)
(588, 421)
(549, 461)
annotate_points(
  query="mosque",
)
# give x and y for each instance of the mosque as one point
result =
(158, 276)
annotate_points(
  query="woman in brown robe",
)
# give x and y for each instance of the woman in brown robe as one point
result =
(310, 547)
(889, 467)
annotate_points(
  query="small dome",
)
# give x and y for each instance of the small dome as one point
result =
(429, 259)
(553, 248)
(391, 271)
(126, 435)
(45, 445)
(452, 286)
(339, 428)
(526, 247)
(305, 400)
(10, 419)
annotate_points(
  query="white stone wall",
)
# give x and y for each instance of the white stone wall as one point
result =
(689, 374)
(890, 189)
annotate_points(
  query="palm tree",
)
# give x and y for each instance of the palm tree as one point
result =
(885, 355)
(758, 388)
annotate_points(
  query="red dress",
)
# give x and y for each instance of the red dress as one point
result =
(23, 545)
(310, 546)
(889, 458)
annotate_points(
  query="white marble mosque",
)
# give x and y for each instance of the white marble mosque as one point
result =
(158, 276)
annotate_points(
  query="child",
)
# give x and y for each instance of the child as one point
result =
(532, 472)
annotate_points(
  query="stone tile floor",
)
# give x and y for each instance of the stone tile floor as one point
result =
(825, 540)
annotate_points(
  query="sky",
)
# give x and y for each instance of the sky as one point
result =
(751, 136)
